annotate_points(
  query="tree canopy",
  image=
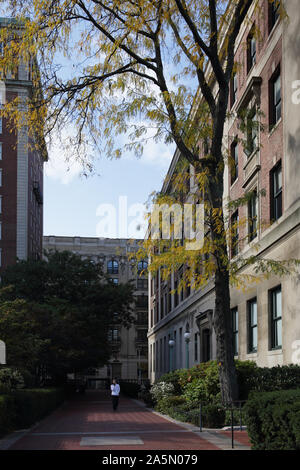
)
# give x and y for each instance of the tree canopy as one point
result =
(55, 314)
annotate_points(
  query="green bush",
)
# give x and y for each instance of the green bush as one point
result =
(7, 414)
(267, 379)
(169, 403)
(22, 408)
(32, 405)
(213, 416)
(178, 378)
(10, 379)
(130, 389)
(273, 420)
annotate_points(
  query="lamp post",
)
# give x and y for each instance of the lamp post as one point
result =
(171, 345)
(139, 366)
(187, 336)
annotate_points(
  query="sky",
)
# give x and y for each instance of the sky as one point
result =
(75, 205)
(110, 202)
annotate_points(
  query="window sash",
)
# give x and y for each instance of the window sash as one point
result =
(252, 215)
(235, 330)
(276, 318)
(235, 234)
(276, 193)
(277, 99)
(235, 158)
(252, 312)
(113, 267)
(274, 11)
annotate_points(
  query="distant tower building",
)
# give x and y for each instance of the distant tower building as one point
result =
(21, 173)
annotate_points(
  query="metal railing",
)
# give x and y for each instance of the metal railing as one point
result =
(232, 407)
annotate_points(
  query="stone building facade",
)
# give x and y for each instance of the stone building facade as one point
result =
(266, 317)
(129, 360)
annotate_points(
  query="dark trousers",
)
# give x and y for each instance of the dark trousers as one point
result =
(115, 401)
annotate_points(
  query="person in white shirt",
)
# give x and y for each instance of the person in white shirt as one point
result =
(115, 392)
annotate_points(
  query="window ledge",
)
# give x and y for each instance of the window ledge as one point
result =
(252, 354)
(231, 185)
(271, 132)
(275, 351)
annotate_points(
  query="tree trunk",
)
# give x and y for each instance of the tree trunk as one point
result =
(223, 329)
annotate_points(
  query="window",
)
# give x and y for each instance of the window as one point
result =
(276, 192)
(141, 335)
(113, 335)
(275, 99)
(142, 284)
(235, 330)
(112, 267)
(0, 230)
(1, 105)
(176, 293)
(251, 50)
(252, 325)
(274, 11)
(196, 347)
(114, 280)
(142, 300)
(234, 234)
(252, 132)
(276, 318)
(0, 177)
(233, 89)
(0, 150)
(235, 162)
(0, 204)
(142, 266)
(252, 217)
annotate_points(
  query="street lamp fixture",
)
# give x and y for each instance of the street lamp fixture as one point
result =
(171, 345)
(187, 336)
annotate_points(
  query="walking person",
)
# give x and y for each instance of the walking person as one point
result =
(115, 392)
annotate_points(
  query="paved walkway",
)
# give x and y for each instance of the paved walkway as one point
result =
(89, 423)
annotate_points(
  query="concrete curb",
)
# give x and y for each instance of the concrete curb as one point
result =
(211, 435)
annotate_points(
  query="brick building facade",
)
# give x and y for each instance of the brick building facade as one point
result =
(264, 162)
(21, 177)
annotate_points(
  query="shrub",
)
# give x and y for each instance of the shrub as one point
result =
(32, 405)
(7, 414)
(267, 379)
(10, 379)
(213, 416)
(178, 378)
(130, 389)
(167, 404)
(161, 390)
(22, 408)
(273, 420)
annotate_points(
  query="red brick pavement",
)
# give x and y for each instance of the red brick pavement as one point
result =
(239, 436)
(92, 415)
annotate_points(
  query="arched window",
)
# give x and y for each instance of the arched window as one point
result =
(112, 267)
(142, 266)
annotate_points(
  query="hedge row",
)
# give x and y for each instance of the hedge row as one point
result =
(22, 408)
(129, 389)
(273, 420)
(201, 382)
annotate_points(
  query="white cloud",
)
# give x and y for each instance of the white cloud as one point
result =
(58, 168)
